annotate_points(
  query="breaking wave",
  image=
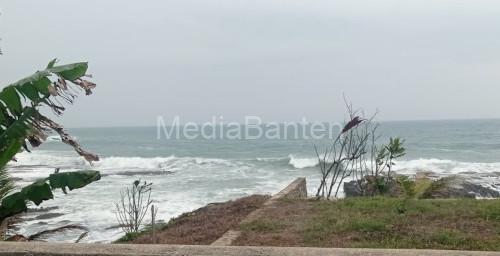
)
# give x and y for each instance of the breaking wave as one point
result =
(301, 163)
(115, 164)
(118, 165)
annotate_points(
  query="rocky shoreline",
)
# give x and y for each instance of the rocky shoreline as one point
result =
(427, 185)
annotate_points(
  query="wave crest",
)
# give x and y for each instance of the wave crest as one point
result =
(114, 164)
(301, 163)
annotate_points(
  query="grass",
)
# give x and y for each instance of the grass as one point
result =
(262, 226)
(421, 186)
(131, 236)
(380, 222)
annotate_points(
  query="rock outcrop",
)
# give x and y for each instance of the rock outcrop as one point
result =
(425, 186)
(373, 186)
(458, 187)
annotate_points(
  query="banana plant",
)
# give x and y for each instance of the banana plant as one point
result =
(20, 120)
(41, 190)
(6, 183)
(22, 125)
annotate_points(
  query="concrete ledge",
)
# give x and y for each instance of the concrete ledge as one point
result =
(227, 238)
(296, 189)
(61, 249)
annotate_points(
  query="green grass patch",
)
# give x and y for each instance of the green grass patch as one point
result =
(406, 223)
(128, 237)
(421, 185)
(380, 222)
(367, 226)
(262, 226)
(131, 236)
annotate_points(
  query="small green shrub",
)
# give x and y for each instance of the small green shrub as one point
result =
(402, 208)
(421, 185)
(128, 237)
(408, 186)
(381, 185)
(436, 186)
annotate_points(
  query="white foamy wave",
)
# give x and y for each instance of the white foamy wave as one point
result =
(171, 163)
(53, 138)
(461, 151)
(56, 138)
(301, 163)
(48, 158)
(441, 166)
(113, 165)
(270, 159)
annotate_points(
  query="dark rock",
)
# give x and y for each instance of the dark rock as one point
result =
(458, 187)
(447, 187)
(370, 186)
(480, 191)
(43, 209)
(116, 226)
(17, 238)
(352, 189)
(48, 216)
(43, 216)
(9, 224)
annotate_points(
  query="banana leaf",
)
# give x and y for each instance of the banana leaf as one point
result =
(41, 190)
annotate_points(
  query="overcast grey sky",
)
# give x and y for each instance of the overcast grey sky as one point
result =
(281, 60)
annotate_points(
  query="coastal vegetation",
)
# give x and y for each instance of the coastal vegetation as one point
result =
(6, 183)
(133, 206)
(356, 153)
(23, 126)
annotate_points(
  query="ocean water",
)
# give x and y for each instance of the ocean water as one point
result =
(188, 174)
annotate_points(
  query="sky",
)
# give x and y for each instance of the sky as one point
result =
(280, 60)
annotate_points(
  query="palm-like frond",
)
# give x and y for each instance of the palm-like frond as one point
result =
(20, 121)
(6, 183)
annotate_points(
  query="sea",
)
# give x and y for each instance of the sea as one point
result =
(190, 173)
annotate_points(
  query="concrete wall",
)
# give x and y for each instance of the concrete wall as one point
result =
(296, 189)
(45, 249)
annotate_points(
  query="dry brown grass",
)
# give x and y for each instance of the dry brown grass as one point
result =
(205, 225)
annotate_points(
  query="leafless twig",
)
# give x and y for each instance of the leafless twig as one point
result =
(133, 206)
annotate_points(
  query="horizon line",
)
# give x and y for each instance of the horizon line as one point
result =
(282, 122)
